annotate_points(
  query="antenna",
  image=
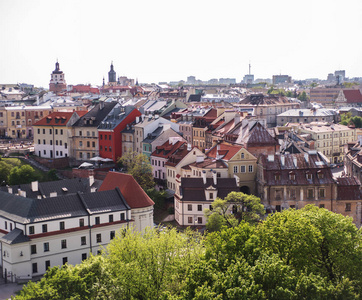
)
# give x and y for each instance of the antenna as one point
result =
(249, 67)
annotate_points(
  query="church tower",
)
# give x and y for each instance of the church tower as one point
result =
(57, 80)
(112, 76)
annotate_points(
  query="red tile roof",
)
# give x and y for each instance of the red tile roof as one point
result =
(167, 149)
(225, 149)
(133, 193)
(55, 119)
(353, 96)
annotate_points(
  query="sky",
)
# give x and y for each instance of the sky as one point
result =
(157, 41)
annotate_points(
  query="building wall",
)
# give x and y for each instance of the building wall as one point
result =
(84, 143)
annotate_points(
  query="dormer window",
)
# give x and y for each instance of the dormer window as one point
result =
(277, 176)
(320, 174)
(309, 175)
(291, 176)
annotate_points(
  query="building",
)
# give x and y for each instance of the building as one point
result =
(84, 138)
(307, 116)
(240, 163)
(52, 134)
(328, 138)
(110, 131)
(282, 79)
(197, 194)
(267, 106)
(40, 233)
(325, 96)
(200, 127)
(112, 76)
(141, 205)
(57, 80)
(295, 180)
(350, 97)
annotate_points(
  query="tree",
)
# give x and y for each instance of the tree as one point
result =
(235, 208)
(24, 174)
(52, 175)
(4, 172)
(303, 96)
(139, 167)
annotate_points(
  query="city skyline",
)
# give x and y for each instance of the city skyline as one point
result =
(156, 41)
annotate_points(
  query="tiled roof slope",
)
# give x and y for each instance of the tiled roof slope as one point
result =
(97, 115)
(130, 189)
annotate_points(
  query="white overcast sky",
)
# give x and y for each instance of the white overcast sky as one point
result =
(169, 40)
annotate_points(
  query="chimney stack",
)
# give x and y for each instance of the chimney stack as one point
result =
(214, 177)
(295, 162)
(34, 186)
(203, 174)
(306, 157)
(91, 180)
(53, 194)
(282, 160)
(188, 147)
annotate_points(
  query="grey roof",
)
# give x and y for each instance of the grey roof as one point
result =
(61, 187)
(14, 237)
(322, 112)
(152, 136)
(96, 115)
(115, 117)
(25, 210)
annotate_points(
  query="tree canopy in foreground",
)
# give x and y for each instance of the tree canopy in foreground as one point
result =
(309, 253)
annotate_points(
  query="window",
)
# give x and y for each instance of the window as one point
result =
(80, 133)
(33, 249)
(292, 206)
(46, 247)
(80, 144)
(235, 169)
(83, 240)
(61, 131)
(80, 155)
(31, 230)
(93, 144)
(321, 205)
(110, 218)
(110, 149)
(189, 207)
(199, 207)
(61, 225)
(105, 148)
(199, 220)
(65, 145)
(56, 131)
(110, 137)
(84, 256)
(43, 131)
(99, 238)
(6, 225)
(242, 155)
(44, 142)
(45, 228)
(211, 196)
(81, 222)
(322, 193)
(122, 217)
(97, 220)
(105, 137)
(310, 193)
(50, 131)
(47, 264)
(65, 260)
(11, 226)
(250, 168)
(278, 208)
(309, 176)
(88, 143)
(63, 244)
(189, 220)
(242, 169)
(112, 234)
(35, 268)
(348, 206)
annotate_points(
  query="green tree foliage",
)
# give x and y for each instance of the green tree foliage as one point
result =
(139, 167)
(52, 175)
(347, 119)
(310, 253)
(159, 197)
(303, 96)
(4, 172)
(235, 208)
(23, 174)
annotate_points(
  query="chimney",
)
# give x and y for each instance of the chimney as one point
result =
(22, 193)
(91, 180)
(34, 186)
(214, 177)
(54, 194)
(101, 105)
(295, 162)
(10, 190)
(282, 160)
(306, 157)
(188, 147)
(271, 158)
(203, 174)
(137, 120)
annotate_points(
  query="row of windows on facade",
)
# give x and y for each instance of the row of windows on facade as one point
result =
(88, 133)
(47, 263)
(88, 155)
(202, 133)
(88, 144)
(57, 143)
(243, 169)
(292, 194)
(336, 143)
(23, 114)
(81, 223)
(105, 148)
(63, 243)
(308, 176)
(155, 162)
(101, 136)
(56, 131)
(335, 135)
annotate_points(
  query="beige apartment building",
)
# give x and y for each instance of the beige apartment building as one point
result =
(328, 138)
